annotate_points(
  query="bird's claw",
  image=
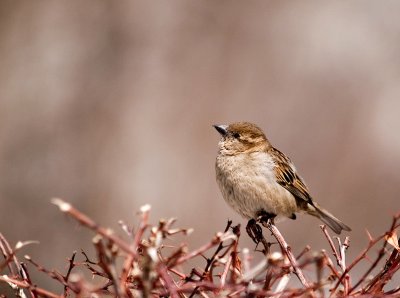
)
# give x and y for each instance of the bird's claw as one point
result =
(254, 230)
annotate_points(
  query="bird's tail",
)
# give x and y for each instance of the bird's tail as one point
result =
(331, 221)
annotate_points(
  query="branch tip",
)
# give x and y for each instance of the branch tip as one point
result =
(21, 244)
(64, 206)
(145, 208)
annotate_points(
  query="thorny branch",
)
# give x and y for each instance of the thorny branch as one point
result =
(287, 250)
(372, 242)
(142, 264)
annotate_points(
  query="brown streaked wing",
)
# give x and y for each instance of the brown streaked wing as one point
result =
(287, 177)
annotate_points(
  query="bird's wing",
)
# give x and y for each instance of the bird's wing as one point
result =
(287, 177)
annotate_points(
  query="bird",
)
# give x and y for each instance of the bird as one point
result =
(257, 180)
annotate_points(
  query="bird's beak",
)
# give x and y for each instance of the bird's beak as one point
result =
(222, 129)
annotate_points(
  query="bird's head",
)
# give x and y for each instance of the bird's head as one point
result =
(241, 137)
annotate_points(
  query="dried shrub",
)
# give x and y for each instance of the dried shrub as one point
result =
(151, 268)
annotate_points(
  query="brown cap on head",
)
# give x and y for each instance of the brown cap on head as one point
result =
(246, 129)
(240, 137)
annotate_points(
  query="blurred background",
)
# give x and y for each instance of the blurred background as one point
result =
(109, 105)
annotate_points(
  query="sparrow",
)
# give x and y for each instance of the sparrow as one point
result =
(257, 179)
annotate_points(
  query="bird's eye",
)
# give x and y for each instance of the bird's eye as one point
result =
(236, 135)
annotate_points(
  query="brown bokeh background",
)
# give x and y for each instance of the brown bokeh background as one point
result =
(109, 105)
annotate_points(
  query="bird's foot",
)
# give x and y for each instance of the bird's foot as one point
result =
(254, 230)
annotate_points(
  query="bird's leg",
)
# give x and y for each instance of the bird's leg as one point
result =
(263, 217)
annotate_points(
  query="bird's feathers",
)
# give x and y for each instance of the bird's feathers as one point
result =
(287, 177)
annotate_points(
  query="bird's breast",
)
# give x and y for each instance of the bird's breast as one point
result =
(248, 184)
(238, 168)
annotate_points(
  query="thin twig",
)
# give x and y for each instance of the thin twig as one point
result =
(361, 256)
(226, 270)
(219, 238)
(90, 223)
(211, 260)
(107, 263)
(286, 248)
(331, 244)
(70, 267)
(34, 289)
(381, 254)
(392, 266)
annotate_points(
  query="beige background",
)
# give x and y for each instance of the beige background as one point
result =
(109, 105)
